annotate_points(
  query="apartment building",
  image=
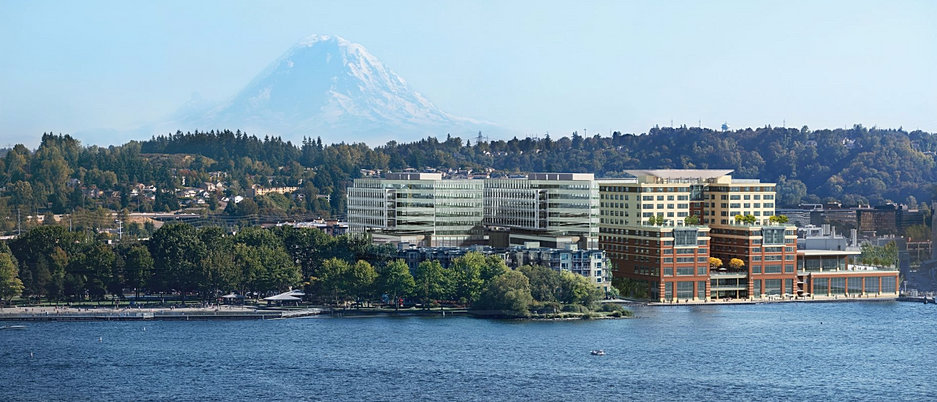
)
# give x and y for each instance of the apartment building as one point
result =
(712, 196)
(591, 264)
(642, 219)
(769, 255)
(671, 263)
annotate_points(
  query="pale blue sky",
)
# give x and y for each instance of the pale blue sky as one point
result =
(536, 66)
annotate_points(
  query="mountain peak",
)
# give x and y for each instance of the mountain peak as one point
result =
(328, 86)
(314, 39)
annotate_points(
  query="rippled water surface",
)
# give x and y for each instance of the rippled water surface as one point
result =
(835, 351)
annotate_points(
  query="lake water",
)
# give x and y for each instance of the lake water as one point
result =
(835, 351)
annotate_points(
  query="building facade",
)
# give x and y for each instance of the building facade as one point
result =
(646, 223)
(671, 263)
(829, 274)
(673, 195)
(548, 208)
(591, 264)
(769, 255)
(420, 208)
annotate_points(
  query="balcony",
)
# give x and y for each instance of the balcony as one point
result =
(728, 274)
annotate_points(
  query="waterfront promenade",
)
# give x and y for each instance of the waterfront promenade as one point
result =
(813, 299)
(66, 313)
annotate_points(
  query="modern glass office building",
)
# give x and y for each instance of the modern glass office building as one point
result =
(420, 208)
(552, 209)
(549, 208)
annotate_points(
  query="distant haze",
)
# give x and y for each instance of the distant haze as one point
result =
(111, 71)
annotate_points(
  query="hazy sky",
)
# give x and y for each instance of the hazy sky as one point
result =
(536, 66)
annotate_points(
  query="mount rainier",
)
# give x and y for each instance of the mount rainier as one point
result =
(330, 87)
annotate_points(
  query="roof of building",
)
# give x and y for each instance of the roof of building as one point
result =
(827, 253)
(560, 176)
(701, 174)
(292, 295)
(413, 176)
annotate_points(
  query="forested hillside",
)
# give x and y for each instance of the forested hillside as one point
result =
(857, 165)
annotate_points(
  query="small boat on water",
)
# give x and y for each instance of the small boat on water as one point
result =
(598, 352)
(13, 327)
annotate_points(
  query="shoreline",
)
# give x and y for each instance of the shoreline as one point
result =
(65, 313)
(768, 301)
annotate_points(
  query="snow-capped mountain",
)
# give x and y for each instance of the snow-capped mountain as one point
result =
(327, 86)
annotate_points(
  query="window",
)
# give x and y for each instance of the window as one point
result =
(685, 290)
(772, 287)
(854, 285)
(871, 284)
(668, 290)
(684, 271)
(685, 237)
(837, 286)
(701, 270)
(789, 286)
(773, 235)
(756, 269)
(888, 284)
(701, 290)
(821, 286)
(788, 268)
(668, 271)
(756, 289)
(773, 269)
